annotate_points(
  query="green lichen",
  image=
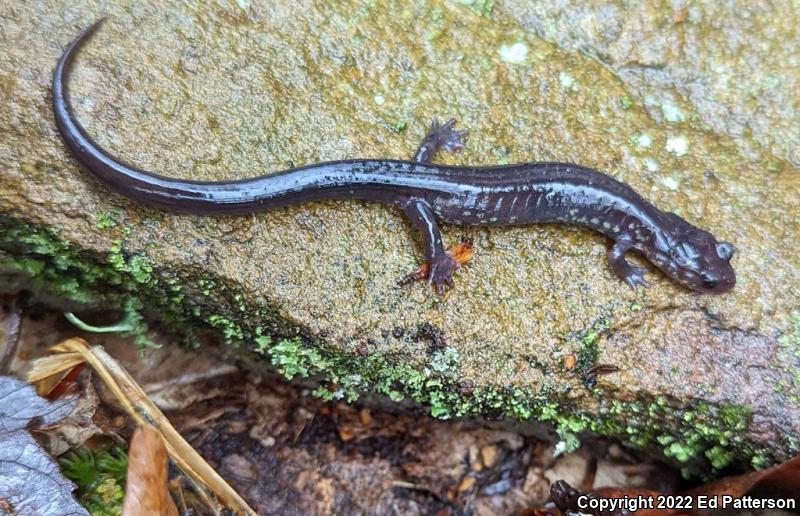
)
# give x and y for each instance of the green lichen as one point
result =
(396, 126)
(567, 81)
(445, 360)
(790, 340)
(671, 111)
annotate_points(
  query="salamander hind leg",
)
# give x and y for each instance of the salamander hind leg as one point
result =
(440, 136)
(462, 252)
(631, 274)
(441, 263)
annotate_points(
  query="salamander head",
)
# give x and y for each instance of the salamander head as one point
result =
(693, 257)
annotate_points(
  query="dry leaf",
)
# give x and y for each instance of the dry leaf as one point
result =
(146, 489)
(30, 480)
(136, 403)
(781, 481)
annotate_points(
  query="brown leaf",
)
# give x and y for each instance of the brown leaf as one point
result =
(567, 498)
(781, 481)
(138, 406)
(79, 426)
(146, 489)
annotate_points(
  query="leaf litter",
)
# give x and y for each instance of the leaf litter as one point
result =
(30, 480)
(286, 451)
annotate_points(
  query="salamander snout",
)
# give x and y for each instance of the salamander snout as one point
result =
(706, 267)
(694, 258)
(710, 280)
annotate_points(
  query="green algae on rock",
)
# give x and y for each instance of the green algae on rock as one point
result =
(230, 92)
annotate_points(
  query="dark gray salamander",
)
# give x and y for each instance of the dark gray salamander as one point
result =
(427, 193)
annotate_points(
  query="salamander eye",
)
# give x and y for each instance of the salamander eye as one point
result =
(725, 250)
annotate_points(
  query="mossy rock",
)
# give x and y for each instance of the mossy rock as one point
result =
(242, 89)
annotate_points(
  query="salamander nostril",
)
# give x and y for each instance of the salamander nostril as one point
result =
(710, 280)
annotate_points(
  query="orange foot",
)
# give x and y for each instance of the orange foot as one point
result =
(461, 253)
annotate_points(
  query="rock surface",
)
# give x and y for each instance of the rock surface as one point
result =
(244, 88)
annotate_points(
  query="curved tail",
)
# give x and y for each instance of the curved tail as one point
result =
(323, 180)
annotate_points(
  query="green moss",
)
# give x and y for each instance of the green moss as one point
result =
(231, 331)
(44, 259)
(679, 451)
(100, 477)
(263, 343)
(719, 456)
(760, 461)
(705, 435)
(568, 442)
(589, 352)
(291, 357)
(190, 301)
(31, 266)
(121, 280)
(137, 266)
(205, 285)
(106, 219)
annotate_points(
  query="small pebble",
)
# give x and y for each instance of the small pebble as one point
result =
(466, 483)
(489, 455)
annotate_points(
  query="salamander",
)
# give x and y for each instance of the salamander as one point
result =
(430, 193)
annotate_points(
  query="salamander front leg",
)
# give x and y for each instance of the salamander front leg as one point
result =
(440, 136)
(631, 274)
(441, 263)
